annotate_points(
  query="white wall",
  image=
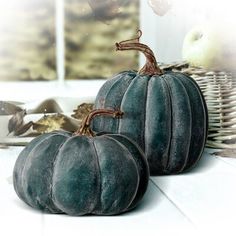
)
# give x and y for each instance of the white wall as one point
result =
(165, 34)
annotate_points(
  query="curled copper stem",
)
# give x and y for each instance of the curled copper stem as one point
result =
(85, 126)
(150, 67)
(139, 35)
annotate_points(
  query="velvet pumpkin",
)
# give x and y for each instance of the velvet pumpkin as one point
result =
(164, 112)
(80, 174)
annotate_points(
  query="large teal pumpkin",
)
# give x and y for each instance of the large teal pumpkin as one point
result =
(164, 112)
(80, 174)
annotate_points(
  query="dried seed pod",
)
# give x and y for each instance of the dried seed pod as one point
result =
(16, 121)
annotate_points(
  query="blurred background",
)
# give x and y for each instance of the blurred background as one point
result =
(39, 37)
(28, 38)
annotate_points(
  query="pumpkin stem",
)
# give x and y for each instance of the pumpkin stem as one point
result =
(150, 67)
(85, 126)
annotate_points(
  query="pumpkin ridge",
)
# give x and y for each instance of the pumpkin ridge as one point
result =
(27, 160)
(204, 110)
(98, 204)
(53, 169)
(70, 187)
(130, 157)
(204, 104)
(51, 182)
(158, 125)
(177, 81)
(23, 171)
(106, 87)
(171, 121)
(191, 125)
(99, 123)
(119, 80)
(145, 114)
(137, 175)
(124, 101)
(143, 172)
(113, 83)
(205, 116)
(15, 181)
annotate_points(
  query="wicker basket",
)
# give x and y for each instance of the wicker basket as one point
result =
(219, 90)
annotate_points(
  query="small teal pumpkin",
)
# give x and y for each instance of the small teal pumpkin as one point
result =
(164, 112)
(81, 174)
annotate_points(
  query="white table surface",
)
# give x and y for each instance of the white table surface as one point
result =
(201, 202)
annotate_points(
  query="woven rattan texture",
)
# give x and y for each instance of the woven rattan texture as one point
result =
(219, 90)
